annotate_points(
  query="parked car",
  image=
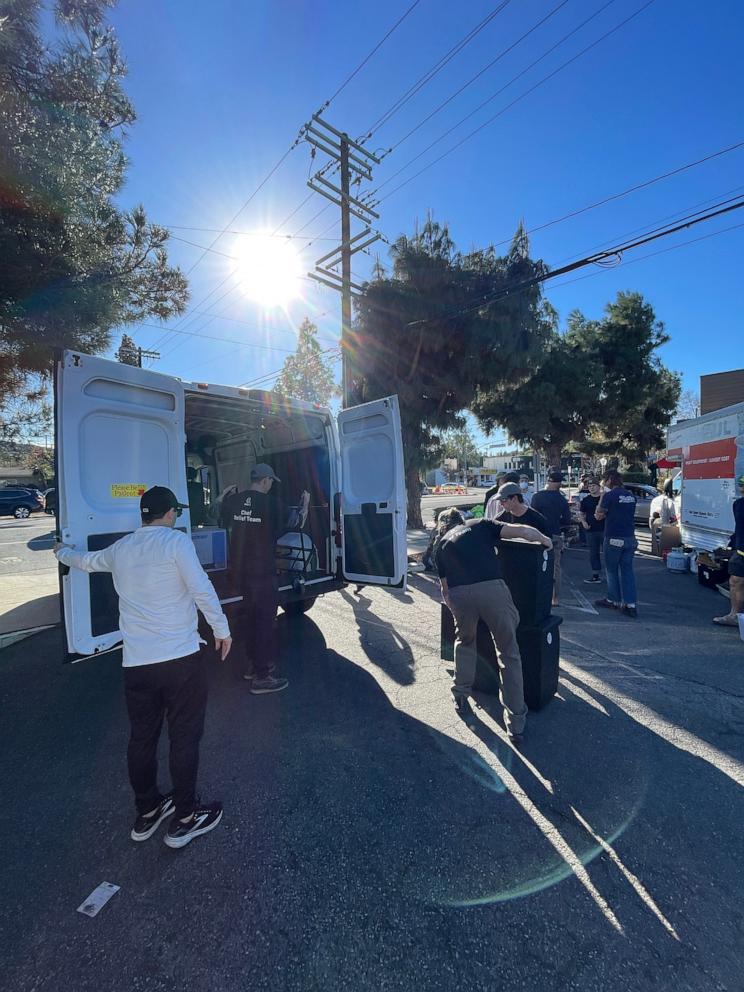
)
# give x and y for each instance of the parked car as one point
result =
(645, 496)
(21, 503)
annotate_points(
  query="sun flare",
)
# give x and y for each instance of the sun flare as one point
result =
(269, 269)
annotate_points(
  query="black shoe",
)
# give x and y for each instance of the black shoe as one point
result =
(607, 604)
(462, 706)
(630, 611)
(145, 826)
(516, 739)
(205, 818)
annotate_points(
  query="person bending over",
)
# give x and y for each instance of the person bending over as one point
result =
(474, 589)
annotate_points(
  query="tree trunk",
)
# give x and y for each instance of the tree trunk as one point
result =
(414, 498)
(554, 455)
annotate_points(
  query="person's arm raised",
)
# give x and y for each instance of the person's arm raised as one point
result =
(525, 533)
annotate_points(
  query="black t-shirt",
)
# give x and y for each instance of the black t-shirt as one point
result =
(530, 518)
(588, 505)
(554, 507)
(255, 521)
(467, 554)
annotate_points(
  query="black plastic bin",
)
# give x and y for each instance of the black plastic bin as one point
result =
(528, 572)
(711, 577)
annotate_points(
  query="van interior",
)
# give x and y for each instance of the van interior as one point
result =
(226, 437)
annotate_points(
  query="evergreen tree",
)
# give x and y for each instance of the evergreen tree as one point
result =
(128, 353)
(428, 333)
(307, 375)
(72, 264)
(600, 386)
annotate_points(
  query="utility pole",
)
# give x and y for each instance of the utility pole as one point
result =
(345, 270)
(350, 157)
(144, 353)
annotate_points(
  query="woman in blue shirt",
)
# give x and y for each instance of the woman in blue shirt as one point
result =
(617, 508)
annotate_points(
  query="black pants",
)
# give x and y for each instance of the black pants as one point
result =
(176, 689)
(260, 603)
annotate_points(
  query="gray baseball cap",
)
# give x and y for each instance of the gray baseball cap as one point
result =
(263, 471)
(507, 490)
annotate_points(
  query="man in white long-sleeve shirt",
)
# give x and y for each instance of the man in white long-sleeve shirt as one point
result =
(160, 583)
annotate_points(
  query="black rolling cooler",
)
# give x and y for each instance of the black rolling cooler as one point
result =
(528, 572)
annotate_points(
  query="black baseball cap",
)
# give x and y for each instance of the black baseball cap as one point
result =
(555, 475)
(157, 501)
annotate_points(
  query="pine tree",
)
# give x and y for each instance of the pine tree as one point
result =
(128, 353)
(72, 264)
(429, 333)
(308, 374)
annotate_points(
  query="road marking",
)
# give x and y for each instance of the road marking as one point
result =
(9, 561)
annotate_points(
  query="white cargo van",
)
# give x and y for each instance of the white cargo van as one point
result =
(121, 429)
(710, 451)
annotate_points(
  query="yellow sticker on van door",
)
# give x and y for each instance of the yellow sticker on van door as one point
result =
(127, 490)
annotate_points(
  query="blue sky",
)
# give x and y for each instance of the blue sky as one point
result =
(221, 90)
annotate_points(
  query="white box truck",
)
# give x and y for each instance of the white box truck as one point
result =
(121, 429)
(710, 452)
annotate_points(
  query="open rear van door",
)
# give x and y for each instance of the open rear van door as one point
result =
(119, 430)
(373, 490)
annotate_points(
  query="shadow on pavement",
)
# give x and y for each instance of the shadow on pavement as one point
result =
(42, 542)
(380, 641)
(39, 612)
(361, 848)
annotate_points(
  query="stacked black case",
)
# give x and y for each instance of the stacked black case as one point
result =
(528, 572)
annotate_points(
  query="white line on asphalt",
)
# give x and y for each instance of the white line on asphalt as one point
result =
(642, 892)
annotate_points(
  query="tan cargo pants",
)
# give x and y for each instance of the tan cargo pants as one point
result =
(491, 602)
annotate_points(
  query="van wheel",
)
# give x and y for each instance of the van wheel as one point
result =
(21, 512)
(298, 607)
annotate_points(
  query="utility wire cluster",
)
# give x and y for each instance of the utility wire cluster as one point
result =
(366, 203)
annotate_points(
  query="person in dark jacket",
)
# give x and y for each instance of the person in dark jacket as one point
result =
(255, 521)
(593, 528)
(736, 563)
(617, 508)
(473, 588)
(554, 507)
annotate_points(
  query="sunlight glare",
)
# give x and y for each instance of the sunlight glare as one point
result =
(268, 269)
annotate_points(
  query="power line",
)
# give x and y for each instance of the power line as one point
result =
(490, 65)
(244, 234)
(391, 111)
(653, 254)
(213, 337)
(258, 188)
(513, 103)
(598, 258)
(436, 68)
(330, 352)
(624, 192)
(365, 60)
(654, 225)
(294, 144)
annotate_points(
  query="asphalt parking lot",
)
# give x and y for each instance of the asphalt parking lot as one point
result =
(372, 839)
